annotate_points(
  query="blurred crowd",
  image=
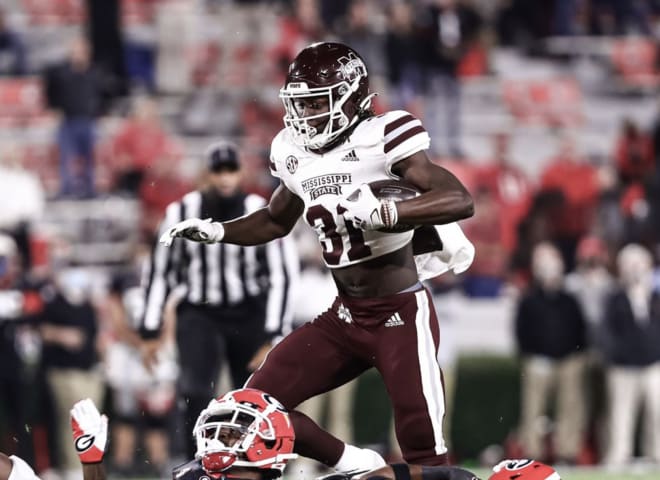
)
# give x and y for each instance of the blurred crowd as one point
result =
(549, 112)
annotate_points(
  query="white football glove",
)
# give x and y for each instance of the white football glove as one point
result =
(366, 211)
(90, 431)
(195, 229)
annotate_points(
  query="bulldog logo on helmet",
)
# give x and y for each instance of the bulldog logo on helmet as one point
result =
(352, 67)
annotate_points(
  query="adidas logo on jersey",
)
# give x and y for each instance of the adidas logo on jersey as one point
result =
(350, 157)
(394, 321)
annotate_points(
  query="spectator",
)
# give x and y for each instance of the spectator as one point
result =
(141, 143)
(448, 29)
(576, 181)
(550, 331)
(74, 90)
(402, 52)
(68, 330)
(22, 205)
(489, 268)
(632, 354)
(19, 303)
(634, 153)
(162, 184)
(300, 27)
(592, 283)
(237, 299)
(358, 30)
(510, 187)
(13, 57)
(143, 400)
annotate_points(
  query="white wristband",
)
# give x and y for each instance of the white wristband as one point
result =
(217, 232)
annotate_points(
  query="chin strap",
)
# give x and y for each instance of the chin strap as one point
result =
(366, 103)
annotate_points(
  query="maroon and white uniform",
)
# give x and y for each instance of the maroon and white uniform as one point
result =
(321, 180)
(397, 334)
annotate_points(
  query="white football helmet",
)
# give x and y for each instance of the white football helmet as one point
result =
(244, 428)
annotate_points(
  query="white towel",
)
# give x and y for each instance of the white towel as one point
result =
(457, 253)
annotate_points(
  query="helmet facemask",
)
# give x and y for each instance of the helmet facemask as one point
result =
(342, 97)
(228, 433)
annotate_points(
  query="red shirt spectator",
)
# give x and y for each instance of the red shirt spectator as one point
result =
(634, 153)
(577, 181)
(510, 189)
(159, 188)
(141, 143)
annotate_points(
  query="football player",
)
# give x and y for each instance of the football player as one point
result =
(332, 146)
(244, 434)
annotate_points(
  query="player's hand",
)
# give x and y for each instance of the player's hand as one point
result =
(90, 431)
(195, 229)
(367, 212)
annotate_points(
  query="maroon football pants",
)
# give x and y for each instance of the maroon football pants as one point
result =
(398, 335)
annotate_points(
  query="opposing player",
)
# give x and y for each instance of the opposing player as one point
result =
(333, 145)
(247, 434)
(244, 434)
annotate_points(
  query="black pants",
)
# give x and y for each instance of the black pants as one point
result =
(206, 337)
(15, 439)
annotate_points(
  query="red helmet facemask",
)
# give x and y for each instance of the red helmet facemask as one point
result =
(244, 428)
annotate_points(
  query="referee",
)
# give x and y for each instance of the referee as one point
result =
(236, 301)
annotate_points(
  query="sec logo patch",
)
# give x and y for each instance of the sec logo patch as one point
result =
(291, 163)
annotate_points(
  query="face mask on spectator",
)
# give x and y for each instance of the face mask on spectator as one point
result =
(75, 286)
(635, 267)
(547, 266)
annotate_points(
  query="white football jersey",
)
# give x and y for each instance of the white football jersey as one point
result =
(368, 155)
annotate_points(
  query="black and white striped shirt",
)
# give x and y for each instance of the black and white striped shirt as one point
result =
(219, 274)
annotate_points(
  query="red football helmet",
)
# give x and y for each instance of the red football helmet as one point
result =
(523, 470)
(244, 428)
(331, 70)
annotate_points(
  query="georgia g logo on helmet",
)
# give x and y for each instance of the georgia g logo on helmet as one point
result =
(517, 464)
(523, 469)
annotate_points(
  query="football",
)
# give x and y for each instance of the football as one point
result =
(396, 190)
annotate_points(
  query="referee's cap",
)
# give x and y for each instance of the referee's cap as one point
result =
(222, 155)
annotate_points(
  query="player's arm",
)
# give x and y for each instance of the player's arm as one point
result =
(445, 199)
(93, 471)
(273, 221)
(261, 226)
